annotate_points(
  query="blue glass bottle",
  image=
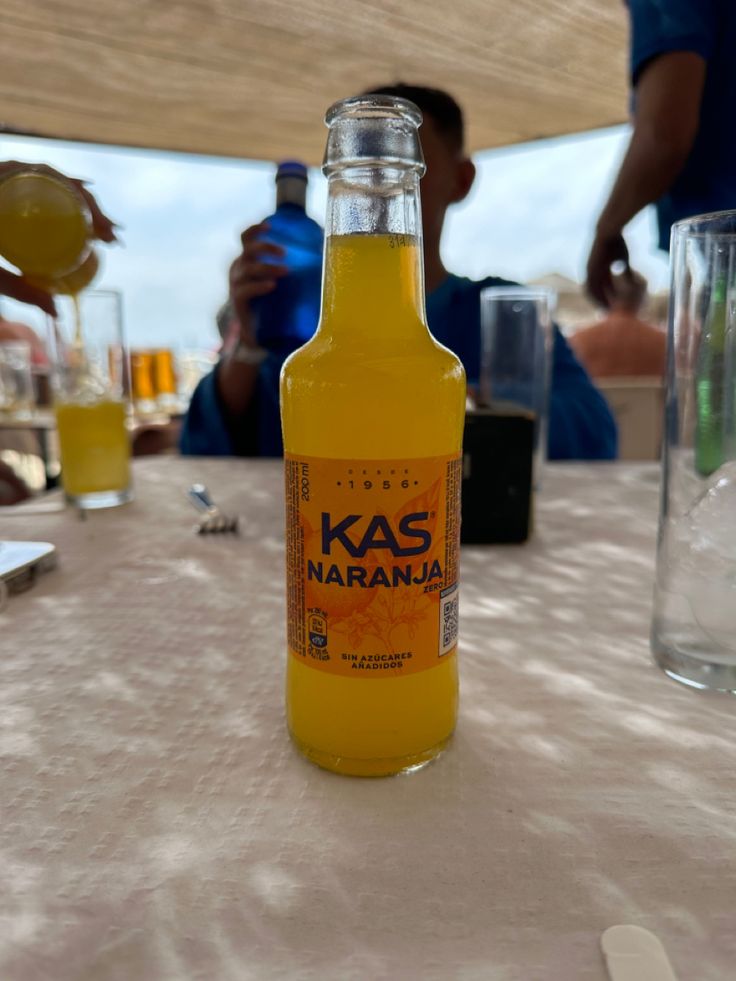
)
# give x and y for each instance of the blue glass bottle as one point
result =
(288, 316)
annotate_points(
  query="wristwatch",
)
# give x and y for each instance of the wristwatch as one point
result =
(244, 354)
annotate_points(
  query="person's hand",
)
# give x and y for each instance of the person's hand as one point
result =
(14, 285)
(607, 249)
(251, 276)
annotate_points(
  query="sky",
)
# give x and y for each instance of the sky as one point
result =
(531, 212)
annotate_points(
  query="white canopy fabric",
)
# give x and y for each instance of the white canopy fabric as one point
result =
(253, 79)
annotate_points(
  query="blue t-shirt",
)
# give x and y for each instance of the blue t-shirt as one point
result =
(708, 28)
(581, 426)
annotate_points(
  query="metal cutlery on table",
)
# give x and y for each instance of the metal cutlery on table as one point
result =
(212, 519)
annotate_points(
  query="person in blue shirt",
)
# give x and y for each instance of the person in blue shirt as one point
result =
(235, 410)
(682, 153)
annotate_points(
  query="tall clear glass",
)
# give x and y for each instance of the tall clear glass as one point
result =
(516, 338)
(16, 383)
(89, 372)
(694, 623)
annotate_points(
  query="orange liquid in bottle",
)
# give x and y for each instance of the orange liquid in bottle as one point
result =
(372, 385)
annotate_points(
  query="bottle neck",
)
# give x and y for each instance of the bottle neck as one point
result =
(291, 190)
(374, 280)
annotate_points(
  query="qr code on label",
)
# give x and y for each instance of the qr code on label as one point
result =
(449, 609)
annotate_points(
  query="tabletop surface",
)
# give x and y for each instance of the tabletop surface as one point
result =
(38, 419)
(157, 823)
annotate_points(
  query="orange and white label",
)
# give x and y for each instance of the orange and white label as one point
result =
(372, 563)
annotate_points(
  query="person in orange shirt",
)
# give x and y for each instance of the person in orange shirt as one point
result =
(622, 344)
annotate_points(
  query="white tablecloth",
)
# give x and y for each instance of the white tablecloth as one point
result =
(156, 822)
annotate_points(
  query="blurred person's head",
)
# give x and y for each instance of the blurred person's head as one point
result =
(630, 289)
(450, 172)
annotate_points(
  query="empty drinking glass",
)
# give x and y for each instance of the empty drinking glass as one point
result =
(16, 383)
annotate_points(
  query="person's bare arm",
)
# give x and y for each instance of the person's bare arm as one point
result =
(668, 99)
(249, 277)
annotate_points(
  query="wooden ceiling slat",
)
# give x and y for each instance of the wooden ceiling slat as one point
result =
(246, 79)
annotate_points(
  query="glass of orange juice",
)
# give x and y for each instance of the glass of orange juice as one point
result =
(166, 379)
(154, 381)
(143, 382)
(90, 376)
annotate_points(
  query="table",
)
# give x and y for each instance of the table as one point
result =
(157, 824)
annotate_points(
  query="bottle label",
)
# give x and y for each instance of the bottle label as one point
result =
(372, 563)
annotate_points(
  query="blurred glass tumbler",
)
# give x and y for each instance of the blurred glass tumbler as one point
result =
(88, 374)
(505, 432)
(193, 365)
(16, 382)
(694, 623)
(516, 339)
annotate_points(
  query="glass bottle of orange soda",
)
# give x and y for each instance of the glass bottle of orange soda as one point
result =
(372, 414)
